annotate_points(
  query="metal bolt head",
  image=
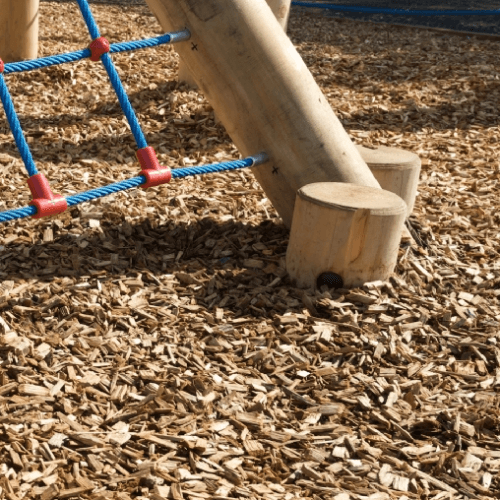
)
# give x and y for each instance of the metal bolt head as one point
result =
(331, 280)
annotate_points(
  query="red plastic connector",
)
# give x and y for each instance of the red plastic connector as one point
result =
(151, 169)
(2, 66)
(98, 47)
(46, 202)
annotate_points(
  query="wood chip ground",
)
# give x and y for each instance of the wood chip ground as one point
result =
(151, 344)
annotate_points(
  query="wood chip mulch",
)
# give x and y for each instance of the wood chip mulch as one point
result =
(151, 344)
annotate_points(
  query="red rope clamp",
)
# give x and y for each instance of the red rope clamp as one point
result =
(46, 202)
(2, 66)
(151, 169)
(98, 47)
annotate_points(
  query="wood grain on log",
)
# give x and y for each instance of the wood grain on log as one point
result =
(353, 231)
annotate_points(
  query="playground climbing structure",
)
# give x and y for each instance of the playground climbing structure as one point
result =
(45, 202)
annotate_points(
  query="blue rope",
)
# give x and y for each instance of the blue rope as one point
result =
(129, 112)
(78, 55)
(43, 62)
(251, 161)
(174, 37)
(17, 213)
(124, 101)
(381, 10)
(89, 19)
(180, 173)
(105, 190)
(15, 126)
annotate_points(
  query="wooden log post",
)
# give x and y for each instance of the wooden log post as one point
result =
(185, 76)
(265, 96)
(280, 8)
(396, 170)
(18, 30)
(345, 230)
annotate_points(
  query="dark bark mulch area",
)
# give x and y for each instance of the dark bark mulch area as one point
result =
(482, 24)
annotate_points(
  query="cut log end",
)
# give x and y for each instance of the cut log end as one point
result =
(345, 230)
(396, 170)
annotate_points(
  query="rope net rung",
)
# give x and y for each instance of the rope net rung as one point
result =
(134, 182)
(78, 55)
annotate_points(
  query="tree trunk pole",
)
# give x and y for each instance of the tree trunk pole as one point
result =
(265, 96)
(280, 8)
(18, 30)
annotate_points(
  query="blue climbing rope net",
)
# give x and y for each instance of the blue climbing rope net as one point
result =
(179, 173)
(44, 62)
(99, 50)
(405, 12)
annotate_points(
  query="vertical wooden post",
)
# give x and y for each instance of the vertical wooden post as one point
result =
(396, 170)
(18, 30)
(265, 96)
(280, 8)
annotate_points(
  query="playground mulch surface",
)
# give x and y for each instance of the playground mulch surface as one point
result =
(151, 343)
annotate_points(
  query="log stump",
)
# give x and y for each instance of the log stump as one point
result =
(396, 170)
(349, 231)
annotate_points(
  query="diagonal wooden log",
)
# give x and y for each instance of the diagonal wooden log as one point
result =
(280, 8)
(18, 30)
(264, 95)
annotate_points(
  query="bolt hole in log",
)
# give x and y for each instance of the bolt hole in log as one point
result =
(331, 280)
(344, 229)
